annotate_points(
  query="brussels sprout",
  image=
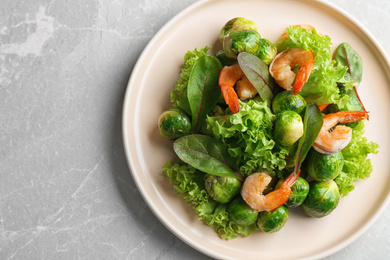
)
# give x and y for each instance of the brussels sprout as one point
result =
(236, 24)
(225, 61)
(222, 189)
(298, 193)
(273, 221)
(324, 167)
(267, 51)
(174, 123)
(288, 128)
(353, 104)
(239, 35)
(241, 212)
(322, 199)
(241, 41)
(286, 100)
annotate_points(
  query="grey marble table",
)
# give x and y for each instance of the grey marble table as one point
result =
(65, 188)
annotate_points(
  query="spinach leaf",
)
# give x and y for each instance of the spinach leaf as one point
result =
(257, 73)
(203, 90)
(206, 154)
(312, 124)
(349, 58)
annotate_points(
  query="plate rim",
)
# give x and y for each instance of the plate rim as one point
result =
(125, 125)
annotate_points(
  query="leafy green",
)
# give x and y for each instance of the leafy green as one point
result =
(257, 73)
(248, 135)
(189, 183)
(356, 164)
(179, 93)
(225, 61)
(349, 58)
(321, 88)
(203, 91)
(312, 124)
(206, 154)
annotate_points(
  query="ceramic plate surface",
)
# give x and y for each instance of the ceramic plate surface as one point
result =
(148, 94)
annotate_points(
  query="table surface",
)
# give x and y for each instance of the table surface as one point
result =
(66, 191)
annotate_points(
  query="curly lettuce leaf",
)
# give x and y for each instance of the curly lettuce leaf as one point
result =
(179, 93)
(248, 135)
(356, 164)
(189, 183)
(321, 88)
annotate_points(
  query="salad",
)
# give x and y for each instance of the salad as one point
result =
(260, 127)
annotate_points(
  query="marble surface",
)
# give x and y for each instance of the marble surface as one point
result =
(66, 191)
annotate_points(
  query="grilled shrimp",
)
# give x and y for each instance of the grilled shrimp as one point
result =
(254, 185)
(230, 76)
(282, 68)
(327, 141)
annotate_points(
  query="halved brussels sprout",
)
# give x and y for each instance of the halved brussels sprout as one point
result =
(298, 193)
(273, 221)
(267, 51)
(286, 100)
(322, 199)
(324, 167)
(222, 189)
(241, 212)
(288, 128)
(174, 123)
(241, 41)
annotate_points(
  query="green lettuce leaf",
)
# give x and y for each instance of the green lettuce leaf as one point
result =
(179, 93)
(189, 183)
(321, 88)
(248, 135)
(356, 164)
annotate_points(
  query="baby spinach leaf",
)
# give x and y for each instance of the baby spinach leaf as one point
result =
(203, 90)
(312, 124)
(349, 58)
(206, 154)
(257, 73)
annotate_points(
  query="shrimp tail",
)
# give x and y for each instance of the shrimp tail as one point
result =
(278, 197)
(227, 79)
(291, 179)
(322, 107)
(231, 99)
(303, 76)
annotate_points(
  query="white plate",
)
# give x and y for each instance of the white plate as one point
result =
(147, 97)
